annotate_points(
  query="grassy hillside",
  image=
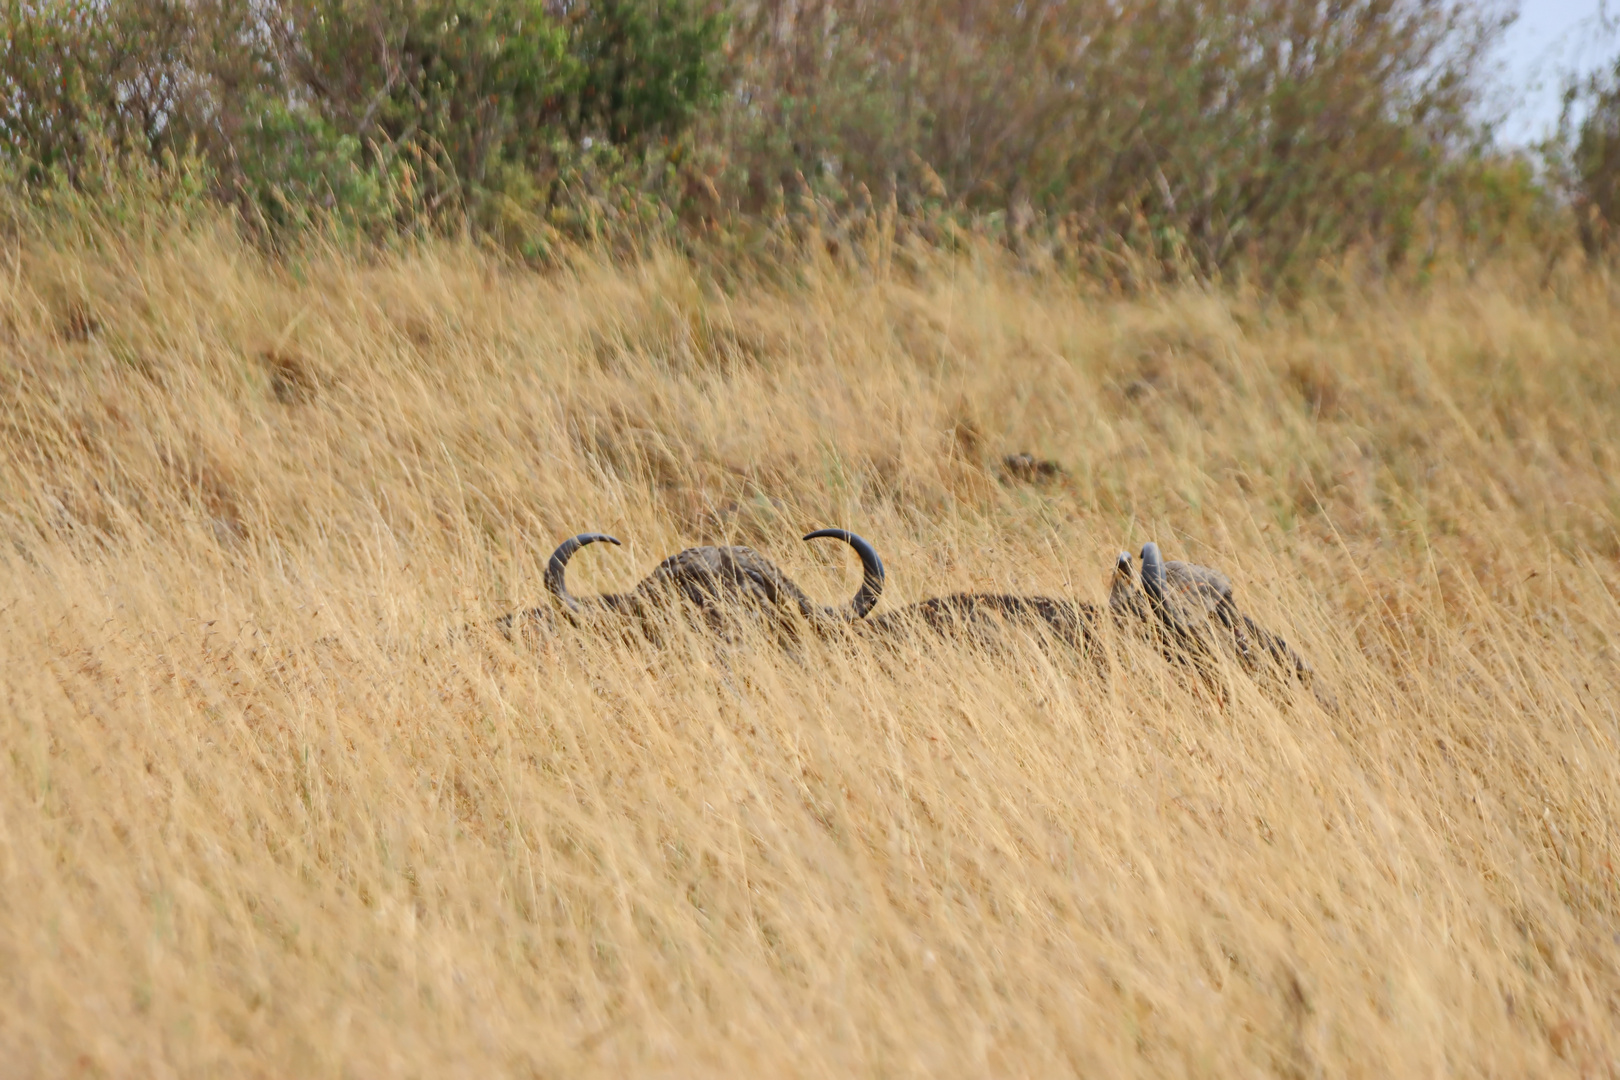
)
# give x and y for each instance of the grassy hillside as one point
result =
(264, 812)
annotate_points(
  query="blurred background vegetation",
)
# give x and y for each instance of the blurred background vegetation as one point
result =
(1255, 140)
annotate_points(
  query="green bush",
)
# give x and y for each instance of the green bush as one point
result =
(376, 111)
(1261, 133)
(1241, 136)
(295, 167)
(81, 74)
(646, 69)
(455, 89)
(1587, 158)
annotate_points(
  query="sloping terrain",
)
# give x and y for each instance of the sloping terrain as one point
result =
(267, 808)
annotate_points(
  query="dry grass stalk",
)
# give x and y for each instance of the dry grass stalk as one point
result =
(261, 815)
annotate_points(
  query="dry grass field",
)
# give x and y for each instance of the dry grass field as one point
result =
(265, 809)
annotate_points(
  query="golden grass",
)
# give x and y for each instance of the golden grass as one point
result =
(263, 813)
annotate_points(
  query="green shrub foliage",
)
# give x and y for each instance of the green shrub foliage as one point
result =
(1588, 154)
(1217, 131)
(376, 109)
(645, 69)
(77, 71)
(1207, 135)
(455, 88)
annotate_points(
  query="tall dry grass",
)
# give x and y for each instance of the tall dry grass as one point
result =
(263, 812)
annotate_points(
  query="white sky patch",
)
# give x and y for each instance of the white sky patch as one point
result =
(1550, 40)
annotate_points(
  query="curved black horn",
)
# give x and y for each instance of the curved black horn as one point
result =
(1152, 572)
(558, 566)
(1153, 581)
(871, 569)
